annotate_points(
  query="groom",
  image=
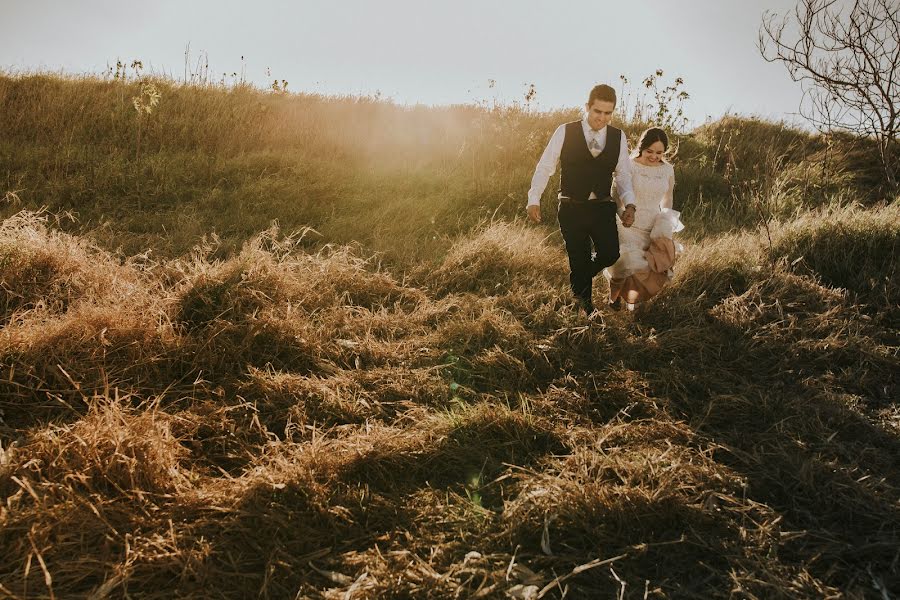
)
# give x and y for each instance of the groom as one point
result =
(590, 151)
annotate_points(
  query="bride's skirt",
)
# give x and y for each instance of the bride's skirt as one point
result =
(646, 258)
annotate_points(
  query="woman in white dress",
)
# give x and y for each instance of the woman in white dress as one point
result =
(646, 248)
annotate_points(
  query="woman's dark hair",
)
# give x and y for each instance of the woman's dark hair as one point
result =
(650, 137)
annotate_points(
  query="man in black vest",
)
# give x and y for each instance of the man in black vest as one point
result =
(589, 151)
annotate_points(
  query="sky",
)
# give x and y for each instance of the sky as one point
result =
(430, 52)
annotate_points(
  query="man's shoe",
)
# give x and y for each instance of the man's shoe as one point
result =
(586, 306)
(617, 305)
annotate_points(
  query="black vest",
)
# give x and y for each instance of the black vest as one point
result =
(582, 173)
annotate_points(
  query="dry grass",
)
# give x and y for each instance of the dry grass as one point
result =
(296, 423)
(45, 271)
(854, 250)
(496, 259)
(404, 403)
(403, 181)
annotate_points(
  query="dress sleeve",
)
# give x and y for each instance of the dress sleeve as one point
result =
(669, 198)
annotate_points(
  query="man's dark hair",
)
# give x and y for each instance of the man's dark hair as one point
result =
(602, 92)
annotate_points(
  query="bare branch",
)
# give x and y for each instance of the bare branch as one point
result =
(847, 58)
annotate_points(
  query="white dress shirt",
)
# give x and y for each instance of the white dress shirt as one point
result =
(546, 166)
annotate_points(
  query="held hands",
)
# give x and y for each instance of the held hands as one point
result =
(628, 215)
(534, 213)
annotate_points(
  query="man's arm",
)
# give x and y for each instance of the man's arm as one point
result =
(545, 169)
(624, 189)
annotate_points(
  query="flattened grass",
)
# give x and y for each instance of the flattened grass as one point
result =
(291, 421)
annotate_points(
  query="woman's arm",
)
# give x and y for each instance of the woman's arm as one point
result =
(669, 198)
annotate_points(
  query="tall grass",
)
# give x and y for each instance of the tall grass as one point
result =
(234, 160)
(402, 180)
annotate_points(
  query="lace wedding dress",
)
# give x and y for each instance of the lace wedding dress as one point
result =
(646, 249)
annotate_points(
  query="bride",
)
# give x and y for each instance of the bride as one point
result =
(646, 248)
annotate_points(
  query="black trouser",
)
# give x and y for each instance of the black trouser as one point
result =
(581, 224)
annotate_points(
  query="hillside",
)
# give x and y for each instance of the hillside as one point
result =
(403, 402)
(357, 170)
